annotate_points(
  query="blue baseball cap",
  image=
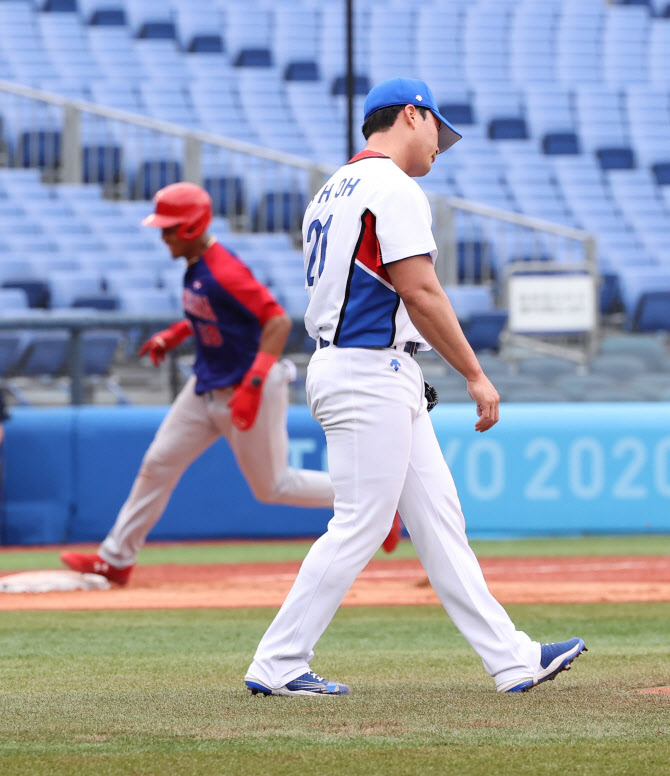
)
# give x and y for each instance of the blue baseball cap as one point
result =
(410, 91)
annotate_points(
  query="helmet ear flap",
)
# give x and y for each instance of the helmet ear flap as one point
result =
(185, 231)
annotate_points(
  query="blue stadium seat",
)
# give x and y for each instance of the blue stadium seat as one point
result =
(468, 300)
(362, 85)
(103, 13)
(227, 194)
(99, 348)
(609, 299)
(56, 5)
(483, 330)
(148, 300)
(279, 211)
(102, 163)
(36, 291)
(155, 174)
(460, 114)
(65, 287)
(13, 300)
(253, 57)
(652, 312)
(507, 129)
(47, 354)
(560, 143)
(38, 148)
(114, 281)
(101, 302)
(13, 346)
(661, 172)
(616, 158)
(301, 71)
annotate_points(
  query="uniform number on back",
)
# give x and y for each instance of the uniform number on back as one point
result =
(320, 233)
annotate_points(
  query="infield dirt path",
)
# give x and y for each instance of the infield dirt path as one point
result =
(385, 582)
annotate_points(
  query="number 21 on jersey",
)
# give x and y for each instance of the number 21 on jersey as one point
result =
(320, 233)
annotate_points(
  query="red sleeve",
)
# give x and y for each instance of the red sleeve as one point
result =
(238, 280)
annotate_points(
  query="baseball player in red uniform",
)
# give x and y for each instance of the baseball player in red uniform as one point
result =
(239, 389)
(375, 300)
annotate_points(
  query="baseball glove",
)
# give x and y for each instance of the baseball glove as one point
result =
(431, 395)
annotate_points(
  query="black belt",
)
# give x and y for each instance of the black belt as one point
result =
(409, 347)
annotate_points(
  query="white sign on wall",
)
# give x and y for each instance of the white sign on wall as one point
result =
(551, 303)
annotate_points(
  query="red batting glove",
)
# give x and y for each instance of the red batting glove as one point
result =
(158, 345)
(246, 399)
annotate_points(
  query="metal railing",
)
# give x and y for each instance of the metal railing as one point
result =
(77, 325)
(132, 156)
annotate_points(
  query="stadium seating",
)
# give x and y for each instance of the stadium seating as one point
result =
(564, 107)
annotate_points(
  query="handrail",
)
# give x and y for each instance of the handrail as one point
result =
(115, 114)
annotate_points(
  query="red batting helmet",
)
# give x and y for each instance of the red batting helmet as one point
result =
(183, 204)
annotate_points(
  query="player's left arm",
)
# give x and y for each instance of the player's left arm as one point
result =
(246, 399)
(431, 312)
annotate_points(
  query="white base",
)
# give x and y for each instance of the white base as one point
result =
(50, 581)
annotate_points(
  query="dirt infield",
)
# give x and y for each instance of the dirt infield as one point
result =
(386, 582)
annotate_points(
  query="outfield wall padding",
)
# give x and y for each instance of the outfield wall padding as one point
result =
(545, 469)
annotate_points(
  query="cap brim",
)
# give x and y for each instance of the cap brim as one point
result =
(446, 135)
(161, 222)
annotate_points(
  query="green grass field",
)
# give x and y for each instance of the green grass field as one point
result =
(259, 552)
(161, 692)
(121, 693)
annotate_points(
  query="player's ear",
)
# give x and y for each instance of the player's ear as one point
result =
(409, 114)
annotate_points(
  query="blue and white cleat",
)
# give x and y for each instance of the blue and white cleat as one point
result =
(307, 684)
(555, 658)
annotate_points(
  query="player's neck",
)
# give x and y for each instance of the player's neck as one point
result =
(198, 247)
(382, 143)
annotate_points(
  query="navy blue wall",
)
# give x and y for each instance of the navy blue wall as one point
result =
(545, 469)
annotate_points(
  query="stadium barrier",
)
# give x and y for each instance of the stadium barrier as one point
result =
(544, 470)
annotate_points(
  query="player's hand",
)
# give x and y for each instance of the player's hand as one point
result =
(486, 398)
(156, 348)
(163, 341)
(246, 399)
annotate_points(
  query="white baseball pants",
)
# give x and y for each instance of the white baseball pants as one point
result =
(383, 454)
(192, 424)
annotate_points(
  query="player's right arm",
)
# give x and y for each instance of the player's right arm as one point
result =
(160, 343)
(430, 310)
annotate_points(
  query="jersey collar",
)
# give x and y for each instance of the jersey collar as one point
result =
(367, 155)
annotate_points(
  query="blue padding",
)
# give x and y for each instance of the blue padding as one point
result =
(545, 469)
(40, 471)
(212, 499)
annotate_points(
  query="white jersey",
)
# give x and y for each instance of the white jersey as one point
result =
(369, 214)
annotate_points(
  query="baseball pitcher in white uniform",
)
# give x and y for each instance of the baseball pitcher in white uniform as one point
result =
(375, 300)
